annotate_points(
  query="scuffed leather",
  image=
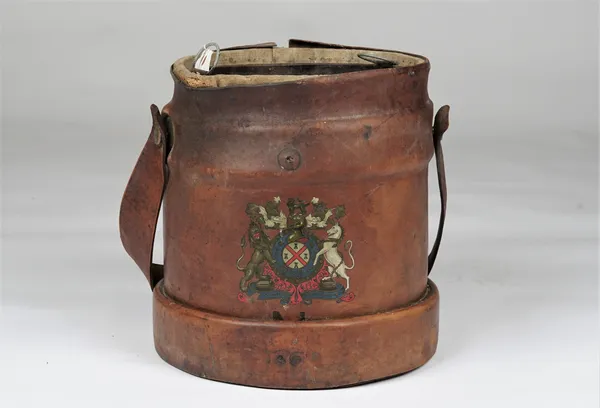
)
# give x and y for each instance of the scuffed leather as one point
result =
(142, 200)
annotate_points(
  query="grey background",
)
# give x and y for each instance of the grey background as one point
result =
(518, 266)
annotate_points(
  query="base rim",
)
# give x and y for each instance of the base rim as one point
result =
(318, 354)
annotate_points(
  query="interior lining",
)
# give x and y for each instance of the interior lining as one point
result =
(241, 67)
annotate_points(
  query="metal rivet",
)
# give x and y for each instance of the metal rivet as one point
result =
(295, 360)
(289, 159)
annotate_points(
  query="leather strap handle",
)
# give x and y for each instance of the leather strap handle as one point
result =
(142, 199)
(440, 125)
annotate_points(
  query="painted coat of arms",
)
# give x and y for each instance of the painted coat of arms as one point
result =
(296, 257)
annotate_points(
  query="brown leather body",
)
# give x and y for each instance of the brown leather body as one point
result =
(225, 149)
(361, 140)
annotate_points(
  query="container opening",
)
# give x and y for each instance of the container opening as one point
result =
(274, 65)
(299, 69)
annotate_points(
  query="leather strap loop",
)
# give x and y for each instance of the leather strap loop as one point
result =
(142, 200)
(440, 125)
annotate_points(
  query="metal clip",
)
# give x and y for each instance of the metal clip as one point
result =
(203, 58)
(380, 62)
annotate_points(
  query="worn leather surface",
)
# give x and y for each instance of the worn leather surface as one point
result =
(365, 142)
(142, 199)
(143, 195)
(296, 355)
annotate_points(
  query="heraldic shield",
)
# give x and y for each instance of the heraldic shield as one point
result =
(297, 257)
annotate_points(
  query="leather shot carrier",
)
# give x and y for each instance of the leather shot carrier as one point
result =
(294, 188)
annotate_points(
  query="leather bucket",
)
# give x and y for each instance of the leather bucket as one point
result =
(294, 188)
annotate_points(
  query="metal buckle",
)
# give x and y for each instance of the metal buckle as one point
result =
(203, 58)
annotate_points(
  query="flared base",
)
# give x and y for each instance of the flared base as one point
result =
(296, 354)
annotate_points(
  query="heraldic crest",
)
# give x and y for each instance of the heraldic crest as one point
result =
(296, 257)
